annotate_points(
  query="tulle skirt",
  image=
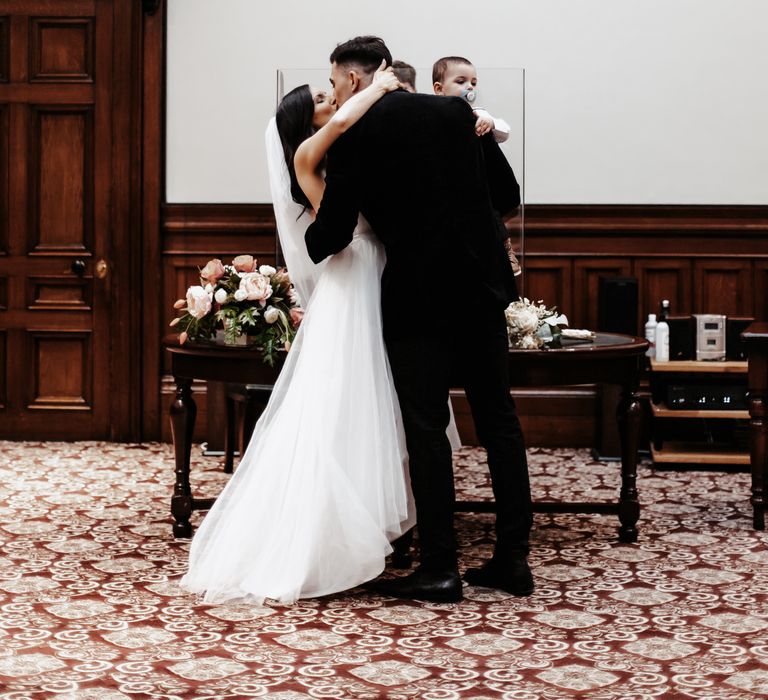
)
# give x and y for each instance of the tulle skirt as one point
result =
(323, 486)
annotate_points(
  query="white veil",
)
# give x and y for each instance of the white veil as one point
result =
(292, 221)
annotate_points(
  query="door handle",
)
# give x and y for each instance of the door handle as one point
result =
(78, 267)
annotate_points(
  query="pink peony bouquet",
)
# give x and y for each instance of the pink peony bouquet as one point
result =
(242, 303)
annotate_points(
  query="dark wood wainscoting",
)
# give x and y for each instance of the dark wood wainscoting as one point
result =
(710, 259)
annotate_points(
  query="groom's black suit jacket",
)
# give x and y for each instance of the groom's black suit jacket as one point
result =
(432, 191)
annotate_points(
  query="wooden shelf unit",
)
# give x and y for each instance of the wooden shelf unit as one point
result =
(663, 411)
(678, 452)
(703, 366)
(692, 453)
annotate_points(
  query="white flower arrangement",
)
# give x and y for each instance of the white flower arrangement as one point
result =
(532, 325)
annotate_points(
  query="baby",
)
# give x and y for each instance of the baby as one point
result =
(454, 76)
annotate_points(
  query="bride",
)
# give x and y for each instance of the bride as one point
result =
(323, 486)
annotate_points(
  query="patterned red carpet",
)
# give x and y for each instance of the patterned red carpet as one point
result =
(90, 609)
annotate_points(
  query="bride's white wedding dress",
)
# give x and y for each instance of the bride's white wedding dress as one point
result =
(323, 485)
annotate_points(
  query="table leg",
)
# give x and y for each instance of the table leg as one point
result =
(758, 448)
(628, 415)
(183, 413)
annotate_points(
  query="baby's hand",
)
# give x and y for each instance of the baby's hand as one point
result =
(385, 78)
(483, 124)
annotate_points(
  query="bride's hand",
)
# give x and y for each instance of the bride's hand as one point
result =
(385, 78)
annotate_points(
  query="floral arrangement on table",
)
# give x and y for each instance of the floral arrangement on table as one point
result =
(241, 304)
(532, 325)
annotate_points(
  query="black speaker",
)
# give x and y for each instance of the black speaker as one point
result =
(617, 305)
(735, 347)
(682, 338)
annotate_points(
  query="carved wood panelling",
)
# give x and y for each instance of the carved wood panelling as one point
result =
(61, 370)
(61, 50)
(59, 293)
(665, 278)
(4, 181)
(594, 230)
(3, 293)
(220, 230)
(549, 280)
(722, 286)
(3, 370)
(61, 178)
(5, 49)
(586, 283)
(567, 250)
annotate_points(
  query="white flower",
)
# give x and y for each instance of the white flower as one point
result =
(240, 295)
(267, 270)
(198, 301)
(521, 319)
(271, 314)
(209, 288)
(256, 287)
(528, 342)
(221, 295)
(294, 297)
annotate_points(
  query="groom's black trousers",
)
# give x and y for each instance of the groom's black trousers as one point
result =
(424, 370)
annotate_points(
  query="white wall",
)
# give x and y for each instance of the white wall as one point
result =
(627, 101)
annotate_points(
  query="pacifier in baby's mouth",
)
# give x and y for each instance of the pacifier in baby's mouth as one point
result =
(469, 94)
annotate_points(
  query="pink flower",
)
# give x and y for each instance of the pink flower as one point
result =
(244, 263)
(296, 316)
(174, 322)
(180, 304)
(183, 337)
(256, 287)
(212, 272)
(199, 302)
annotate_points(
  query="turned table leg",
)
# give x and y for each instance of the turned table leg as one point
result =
(758, 448)
(183, 412)
(628, 415)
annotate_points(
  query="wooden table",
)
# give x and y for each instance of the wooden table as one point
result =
(756, 338)
(611, 359)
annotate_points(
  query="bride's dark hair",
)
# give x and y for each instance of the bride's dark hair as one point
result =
(294, 124)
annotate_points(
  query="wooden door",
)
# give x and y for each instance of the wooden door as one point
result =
(56, 178)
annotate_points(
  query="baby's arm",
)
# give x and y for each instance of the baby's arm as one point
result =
(499, 127)
(311, 152)
(513, 261)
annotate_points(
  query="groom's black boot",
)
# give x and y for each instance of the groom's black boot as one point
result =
(435, 585)
(512, 575)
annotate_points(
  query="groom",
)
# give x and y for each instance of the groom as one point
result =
(432, 191)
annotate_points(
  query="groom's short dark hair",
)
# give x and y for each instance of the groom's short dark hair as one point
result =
(367, 52)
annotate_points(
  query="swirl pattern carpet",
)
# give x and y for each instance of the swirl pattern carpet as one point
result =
(90, 608)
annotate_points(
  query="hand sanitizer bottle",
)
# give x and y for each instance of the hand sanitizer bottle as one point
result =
(650, 335)
(662, 341)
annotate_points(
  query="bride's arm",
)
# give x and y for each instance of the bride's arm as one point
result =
(311, 152)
